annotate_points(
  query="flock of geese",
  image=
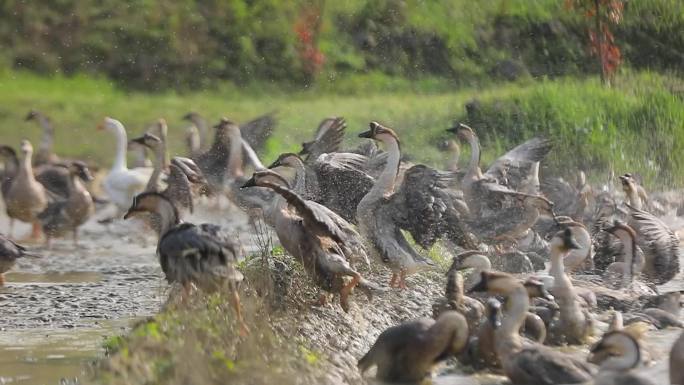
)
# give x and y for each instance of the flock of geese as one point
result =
(335, 210)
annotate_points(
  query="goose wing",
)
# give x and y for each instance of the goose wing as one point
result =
(424, 207)
(341, 182)
(257, 131)
(563, 194)
(519, 165)
(659, 243)
(55, 179)
(11, 251)
(328, 139)
(199, 253)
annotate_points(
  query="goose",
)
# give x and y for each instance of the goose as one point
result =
(517, 170)
(407, 353)
(571, 200)
(25, 197)
(200, 130)
(577, 259)
(660, 246)
(9, 253)
(419, 205)
(454, 299)
(192, 142)
(676, 362)
(45, 153)
(333, 180)
(621, 274)
(530, 364)
(325, 244)
(204, 255)
(575, 324)
(636, 195)
(122, 183)
(64, 215)
(10, 168)
(474, 260)
(617, 354)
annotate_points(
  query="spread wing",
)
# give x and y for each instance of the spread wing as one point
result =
(257, 131)
(545, 366)
(659, 243)
(563, 194)
(519, 166)
(328, 138)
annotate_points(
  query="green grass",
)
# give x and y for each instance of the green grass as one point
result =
(636, 124)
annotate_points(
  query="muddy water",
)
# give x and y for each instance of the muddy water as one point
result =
(58, 310)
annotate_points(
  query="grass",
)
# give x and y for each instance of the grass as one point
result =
(594, 126)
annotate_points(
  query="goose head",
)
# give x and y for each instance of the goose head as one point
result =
(111, 124)
(617, 350)
(266, 178)
(536, 289)
(471, 259)
(226, 125)
(32, 115)
(621, 230)
(628, 183)
(288, 160)
(80, 170)
(26, 148)
(463, 132)
(379, 132)
(494, 282)
(563, 241)
(191, 116)
(151, 202)
(148, 140)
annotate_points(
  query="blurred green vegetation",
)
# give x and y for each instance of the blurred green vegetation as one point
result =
(186, 44)
(635, 125)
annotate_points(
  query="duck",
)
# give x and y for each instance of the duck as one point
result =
(9, 253)
(408, 352)
(531, 363)
(25, 197)
(67, 215)
(575, 324)
(676, 361)
(45, 153)
(617, 354)
(335, 180)
(419, 205)
(121, 183)
(204, 255)
(327, 246)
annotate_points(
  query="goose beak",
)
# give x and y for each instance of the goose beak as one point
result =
(366, 134)
(275, 164)
(250, 183)
(130, 213)
(305, 148)
(186, 117)
(139, 140)
(101, 126)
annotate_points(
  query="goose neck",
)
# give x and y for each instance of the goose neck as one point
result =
(121, 148)
(474, 164)
(385, 183)
(235, 161)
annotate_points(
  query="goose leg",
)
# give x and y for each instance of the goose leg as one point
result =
(75, 239)
(393, 280)
(402, 279)
(322, 299)
(347, 289)
(36, 231)
(11, 228)
(2, 279)
(235, 302)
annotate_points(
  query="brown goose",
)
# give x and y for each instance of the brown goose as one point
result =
(321, 240)
(617, 354)
(408, 352)
(454, 299)
(419, 205)
(25, 197)
(677, 361)
(517, 170)
(9, 253)
(530, 364)
(204, 255)
(68, 214)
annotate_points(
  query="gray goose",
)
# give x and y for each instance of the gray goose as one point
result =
(527, 364)
(325, 244)
(68, 214)
(9, 253)
(204, 255)
(335, 180)
(617, 354)
(45, 153)
(328, 138)
(407, 353)
(420, 205)
(676, 363)
(516, 170)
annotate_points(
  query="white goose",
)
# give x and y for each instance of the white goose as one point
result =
(122, 184)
